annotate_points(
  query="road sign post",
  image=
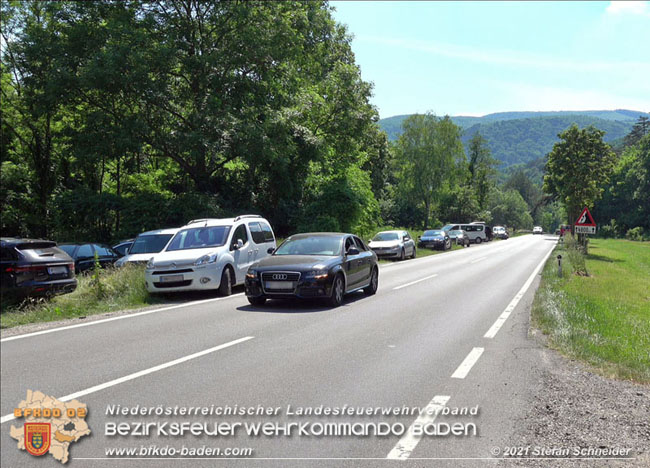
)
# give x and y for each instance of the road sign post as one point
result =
(585, 225)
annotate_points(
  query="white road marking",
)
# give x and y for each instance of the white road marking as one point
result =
(467, 364)
(491, 333)
(417, 281)
(121, 317)
(478, 260)
(409, 440)
(135, 375)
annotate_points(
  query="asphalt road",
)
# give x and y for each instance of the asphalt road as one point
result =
(421, 340)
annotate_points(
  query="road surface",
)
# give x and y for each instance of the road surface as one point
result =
(443, 331)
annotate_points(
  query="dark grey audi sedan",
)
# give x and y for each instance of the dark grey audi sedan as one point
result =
(314, 265)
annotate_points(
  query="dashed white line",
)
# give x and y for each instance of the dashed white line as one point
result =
(135, 375)
(467, 364)
(410, 439)
(491, 333)
(415, 282)
(121, 317)
(480, 259)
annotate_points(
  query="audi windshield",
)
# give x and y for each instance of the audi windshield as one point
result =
(328, 246)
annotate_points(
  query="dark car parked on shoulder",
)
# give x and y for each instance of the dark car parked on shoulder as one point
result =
(32, 267)
(84, 255)
(314, 265)
(435, 239)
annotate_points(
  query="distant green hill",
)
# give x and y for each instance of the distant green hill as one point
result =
(522, 137)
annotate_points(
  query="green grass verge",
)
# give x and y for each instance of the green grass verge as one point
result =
(116, 289)
(602, 319)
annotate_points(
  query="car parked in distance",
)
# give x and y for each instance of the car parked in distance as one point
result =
(314, 265)
(475, 232)
(459, 237)
(489, 235)
(147, 243)
(435, 239)
(210, 254)
(393, 244)
(84, 255)
(538, 230)
(31, 267)
(500, 232)
(123, 247)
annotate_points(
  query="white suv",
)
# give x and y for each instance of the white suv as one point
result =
(210, 254)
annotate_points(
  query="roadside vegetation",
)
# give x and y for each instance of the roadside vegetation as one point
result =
(100, 292)
(599, 310)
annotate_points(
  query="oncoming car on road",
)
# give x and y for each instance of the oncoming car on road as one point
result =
(538, 230)
(314, 265)
(208, 254)
(393, 244)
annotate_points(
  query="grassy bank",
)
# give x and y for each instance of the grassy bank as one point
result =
(602, 319)
(110, 290)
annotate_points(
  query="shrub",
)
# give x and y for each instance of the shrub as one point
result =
(635, 234)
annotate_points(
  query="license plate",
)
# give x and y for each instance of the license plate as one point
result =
(280, 285)
(171, 278)
(57, 270)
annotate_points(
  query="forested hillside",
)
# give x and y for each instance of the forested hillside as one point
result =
(522, 137)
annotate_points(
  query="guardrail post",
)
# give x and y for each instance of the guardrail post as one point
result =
(559, 266)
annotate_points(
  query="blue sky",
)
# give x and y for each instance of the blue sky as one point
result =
(475, 58)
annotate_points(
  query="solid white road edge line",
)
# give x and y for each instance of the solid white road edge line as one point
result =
(417, 281)
(468, 363)
(409, 440)
(491, 333)
(135, 375)
(121, 317)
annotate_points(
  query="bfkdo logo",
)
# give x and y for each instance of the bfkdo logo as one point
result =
(37, 438)
(51, 426)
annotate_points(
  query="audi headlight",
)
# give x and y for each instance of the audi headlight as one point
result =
(317, 274)
(204, 260)
(150, 264)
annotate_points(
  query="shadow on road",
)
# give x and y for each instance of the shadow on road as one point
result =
(299, 306)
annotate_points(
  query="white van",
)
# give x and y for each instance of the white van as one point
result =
(210, 254)
(475, 232)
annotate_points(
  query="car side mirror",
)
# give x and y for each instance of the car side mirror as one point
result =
(270, 250)
(353, 251)
(238, 245)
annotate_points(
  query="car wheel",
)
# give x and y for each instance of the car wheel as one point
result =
(414, 252)
(402, 255)
(478, 240)
(257, 301)
(467, 243)
(338, 289)
(225, 287)
(374, 283)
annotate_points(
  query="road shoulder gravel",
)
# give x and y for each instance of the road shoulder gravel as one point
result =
(571, 407)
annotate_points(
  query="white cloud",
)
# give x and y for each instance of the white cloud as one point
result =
(508, 57)
(625, 7)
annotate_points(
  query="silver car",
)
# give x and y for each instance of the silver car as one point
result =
(393, 244)
(459, 237)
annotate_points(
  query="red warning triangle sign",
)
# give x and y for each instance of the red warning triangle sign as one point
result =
(585, 219)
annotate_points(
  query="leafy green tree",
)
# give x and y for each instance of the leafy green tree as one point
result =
(481, 168)
(430, 157)
(577, 169)
(508, 208)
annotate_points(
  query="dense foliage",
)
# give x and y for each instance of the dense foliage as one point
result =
(123, 116)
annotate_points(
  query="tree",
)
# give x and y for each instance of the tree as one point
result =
(578, 167)
(481, 168)
(508, 208)
(430, 157)
(640, 129)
